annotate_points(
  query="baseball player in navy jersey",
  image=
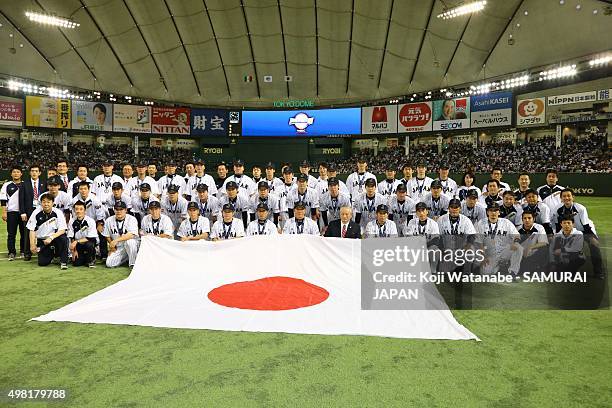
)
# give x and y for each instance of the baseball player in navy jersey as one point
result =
(118, 195)
(388, 186)
(496, 174)
(9, 198)
(227, 227)
(333, 173)
(156, 224)
(366, 204)
(102, 183)
(436, 201)
(47, 227)
(382, 226)
(140, 203)
(472, 208)
(492, 195)
(238, 200)
(261, 225)
(300, 223)
(208, 205)
(332, 201)
(407, 173)
(509, 208)
(356, 180)
(194, 228)
(171, 179)
(420, 185)
(274, 183)
(500, 240)
(82, 234)
(551, 185)
(401, 208)
(540, 211)
(200, 177)
(121, 232)
(582, 223)
(133, 186)
(174, 206)
(534, 242)
(95, 210)
(265, 197)
(81, 175)
(244, 182)
(304, 194)
(449, 186)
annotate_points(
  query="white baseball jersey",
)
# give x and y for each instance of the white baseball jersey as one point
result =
(190, 228)
(553, 201)
(415, 227)
(209, 208)
(476, 213)
(307, 226)
(282, 195)
(459, 226)
(535, 235)
(169, 180)
(449, 187)
(258, 228)
(540, 210)
(162, 225)
(276, 185)
(61, 201)
(133, 186)
(195, 181)
(240, 204)
(245, 184)
(388, 187)
(418, 188)
(93, 207)
(221, 230)
(309, 197)
(487, 200)
(501, 234)
(141, 206)
(79, 229)
(111, 200)
(272, 201)
(176, 211)
(113, 228)
(437, 207)
(462, 192)
(312, 182)
(73, 190)
(386, 230)
(9, 196)
(366, 206)
(45, 224)
(580, 214)
(401, 211)
(323, 188)
(356, 183)
(102, 185)
(333, 204)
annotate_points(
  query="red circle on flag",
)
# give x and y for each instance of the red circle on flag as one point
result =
(273, 293)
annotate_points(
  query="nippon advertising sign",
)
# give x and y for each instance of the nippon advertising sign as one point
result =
(451, 114)
(315, 122)
(531, 112)
(414, 117)
(174, 121)
(379, 119)
(210, 122)
(491, 110)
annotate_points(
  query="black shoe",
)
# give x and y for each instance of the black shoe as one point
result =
(92, 264)
(11, 257)
(27, 257)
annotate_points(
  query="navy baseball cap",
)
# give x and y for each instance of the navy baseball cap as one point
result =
(227, 207)
(173, 188)
(493, 207)
(331, 168)
(370, 183)
(201, 187)
(530, 191)
(199, 163)
(401, 188)
(231, 185)
(444, 166)
(262, 206)
(117, 186)
(304, 163)
(421, 206)
(406, 165)
(238, 162)
(263, 185)
(302, 177)
(287, 170)
(389, 167)
(454, 203)
(119, 205)
(270, 165)
(193, 206)
(171, 164)
(332, 181)
(54, 181)
(145, 187)
(154, 204)
(299, 204)
(141, 165)
(436, 184)
(382, 208)
(421, 163)
(107, 163)
(472, 193)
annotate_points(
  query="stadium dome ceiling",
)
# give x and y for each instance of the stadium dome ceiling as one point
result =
(336, 51)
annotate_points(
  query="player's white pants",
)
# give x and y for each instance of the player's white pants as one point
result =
(515, 256)
(126, 252)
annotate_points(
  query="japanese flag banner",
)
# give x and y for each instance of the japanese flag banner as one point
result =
(291, 284)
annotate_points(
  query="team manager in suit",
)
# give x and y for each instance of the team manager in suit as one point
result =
(344, 227)
(29, 196)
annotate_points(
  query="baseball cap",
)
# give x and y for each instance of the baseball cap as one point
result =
(382, 208)
(331, 168)
(299, 204)
(173, 188)
(227, 207)
(406, 165)
(107, 163)
(201, 187)
(304, 163)
(141, 165)
(54, 181)
(302, 177)
(421, 163)
(436, 184)
(401, 188)
(389, 167)
(231, 185)
(117, 186)
(472, 193)
(530, 191)
(120, 205)
(493, 207)
(238, 162)
(444, 166)
(193, 206)
(454, 202)
(199, 163)
(287, 170)
(171, 164)
(420, 206)
(332, 181)
(262, 206)
(145, 187)
(154, 204)
(370, 183)
(263, 185)
(270, 165)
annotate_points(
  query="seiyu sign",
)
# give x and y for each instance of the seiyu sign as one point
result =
(491, 110)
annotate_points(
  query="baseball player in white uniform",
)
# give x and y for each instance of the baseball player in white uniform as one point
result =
(118, 195)
(102, 183)
(366, 204)
(261, 225)
(200, 177)
(496, 174)
(401, 208)
(82, 234)
(171, 179)
(331, 201)
(227, 227)
(245, 184)
(436, 201)
(174, 206)
(388, 186)
(382, 226)
(299, 223)
(238, 200)
(540, 211)
(133, 186)
(121, 232)
(472, 208)
(449, 186)
(209, 205)
(196, 227)
(156, 224)
(265, 197)
(304, 194)
(534, 242)
(140, 203)
(356, 180)
(420, 185)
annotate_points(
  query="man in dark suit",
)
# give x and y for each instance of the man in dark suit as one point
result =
(29, 199)
(344, 227)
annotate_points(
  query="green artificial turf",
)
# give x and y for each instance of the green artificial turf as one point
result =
(526, 358)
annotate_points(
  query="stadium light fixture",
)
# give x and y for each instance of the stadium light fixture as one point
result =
(49, 19)
(561, 72)
(600, 61)
(467, 8)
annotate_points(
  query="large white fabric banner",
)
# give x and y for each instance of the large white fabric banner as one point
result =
(312, 285)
